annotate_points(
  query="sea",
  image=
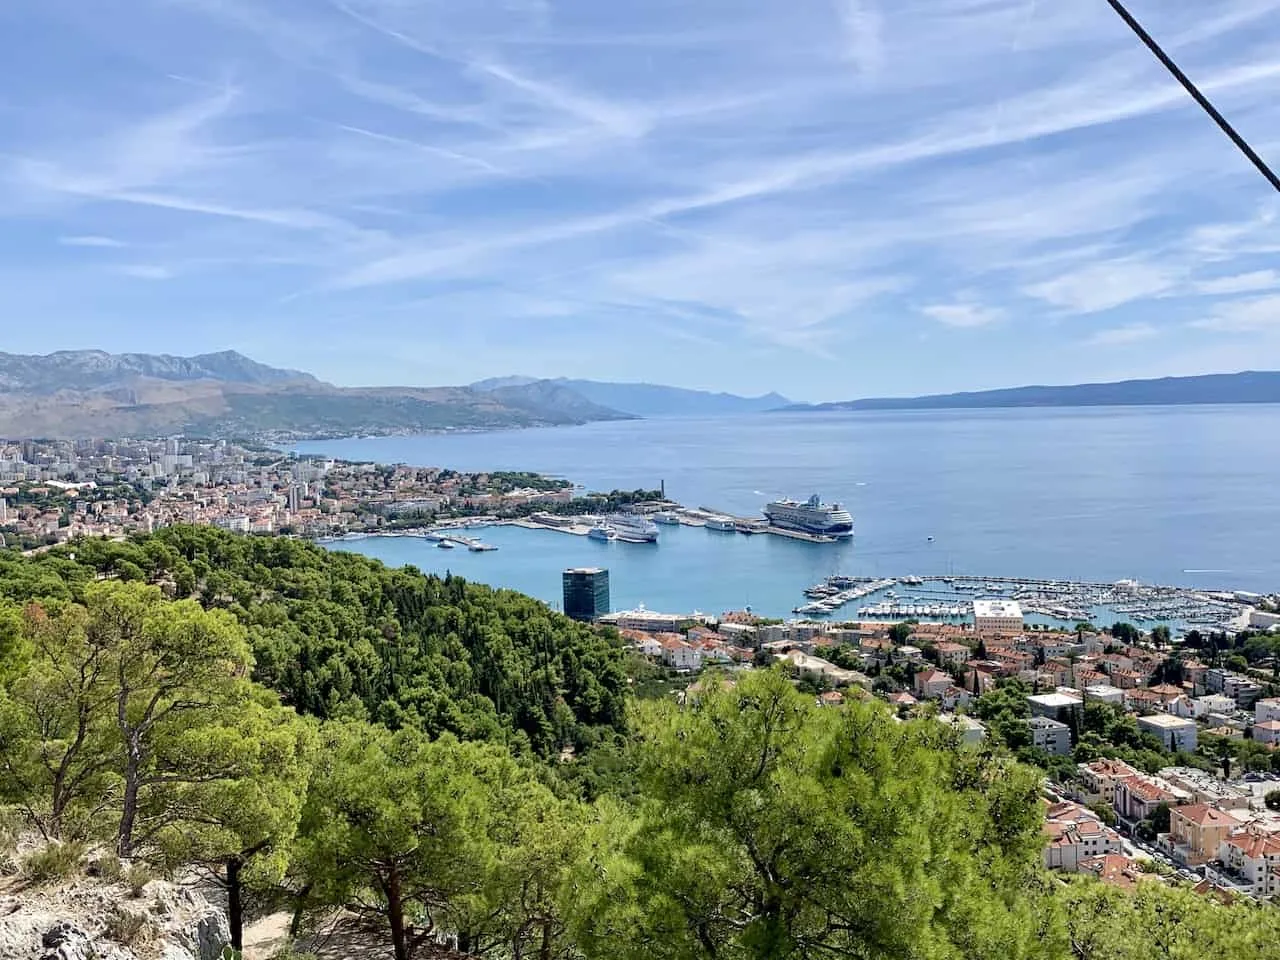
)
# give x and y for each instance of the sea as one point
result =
(1183, 495)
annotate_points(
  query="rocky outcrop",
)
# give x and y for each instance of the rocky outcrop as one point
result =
(93, 920)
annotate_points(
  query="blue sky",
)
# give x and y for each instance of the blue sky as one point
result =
(831, 198)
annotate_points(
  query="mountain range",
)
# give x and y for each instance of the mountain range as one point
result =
(90, 393)
(648, 399)
(1247, 387)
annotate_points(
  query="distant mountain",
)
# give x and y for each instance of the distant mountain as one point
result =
(1247, 387)
(649, 399)
(90, 393)
(90, 369)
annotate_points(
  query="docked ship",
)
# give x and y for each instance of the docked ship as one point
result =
(630, 526)
(810, 516)
(722, 524)
(668, 518)
(600, 532)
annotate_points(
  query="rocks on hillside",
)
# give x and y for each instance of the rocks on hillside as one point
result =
(93, 920)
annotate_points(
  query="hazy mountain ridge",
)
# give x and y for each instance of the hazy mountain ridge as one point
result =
(90, 393)
(1218, 388)
(647, 399)
(90, 369)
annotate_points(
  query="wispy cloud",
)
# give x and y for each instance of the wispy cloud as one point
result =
(1105, 286)
(1240, 283)
(809, 182)
(1122, 336)
(90, 240)
(145, 271)
(963, 315)
(1256, 315)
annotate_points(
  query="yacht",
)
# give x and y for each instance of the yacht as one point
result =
(810, 516)
(445, 544)
(668, 518)
(600, 532)
(722, 524)
(631, 526)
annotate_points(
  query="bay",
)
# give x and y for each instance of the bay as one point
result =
(1186, 495)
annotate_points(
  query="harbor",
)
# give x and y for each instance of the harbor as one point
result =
(948, 598)
(693, 568)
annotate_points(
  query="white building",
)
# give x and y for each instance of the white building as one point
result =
(681, 655)
(1075, 833)
(997, 616)
(1050, 736)
(1104, 693)
(1256, 858)
(971, 730)
(1267, 733)
(1175, 733)
(1055, 706)
(1263, 710)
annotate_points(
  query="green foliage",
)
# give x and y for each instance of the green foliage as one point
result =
(128, 927)
(1125, 633)
(1156, 920)
(53, 861)
(137, 876)
(770, 827)
(339, 635)
(435, 834)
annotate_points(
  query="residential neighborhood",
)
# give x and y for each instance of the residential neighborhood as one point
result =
(1161, 765)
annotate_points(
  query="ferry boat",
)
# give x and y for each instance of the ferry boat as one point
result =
(667, 518)
(751, 526)
(722, 524)
(630, 526)
(811, 516)
(600, 532)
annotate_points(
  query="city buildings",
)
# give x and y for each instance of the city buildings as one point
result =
(586, 592)
(997, 616)
(1197, 830)
(1050, 736)
(1074, 834)
(1174, 733)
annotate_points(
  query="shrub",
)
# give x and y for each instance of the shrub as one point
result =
(137, 876)
(53, 861)
(127, 928)
(107, 866)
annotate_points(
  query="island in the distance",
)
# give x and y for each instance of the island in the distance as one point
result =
(1221, 388)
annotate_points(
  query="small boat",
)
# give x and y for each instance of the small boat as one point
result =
(722, 524)
(445, 544)
(600, 533)
(667, 518)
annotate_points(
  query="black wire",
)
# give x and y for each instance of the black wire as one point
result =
(1199, 97)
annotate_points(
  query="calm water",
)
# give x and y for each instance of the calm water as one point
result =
(1181, 495)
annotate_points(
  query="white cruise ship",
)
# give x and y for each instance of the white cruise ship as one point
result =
(811, 516)
(630, 526)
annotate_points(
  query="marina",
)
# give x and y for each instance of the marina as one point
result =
(781, 576)
(1058, 602)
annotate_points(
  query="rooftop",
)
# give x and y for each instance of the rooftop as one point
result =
(1046, 723)
(997, 608)
(1166, 721)
(1054, 701)
(586, 570)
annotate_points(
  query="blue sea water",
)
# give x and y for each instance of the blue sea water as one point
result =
(1177, 495)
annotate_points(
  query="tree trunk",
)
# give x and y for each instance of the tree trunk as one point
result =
(299, 908)
(129, 814)
(395, 914)
(235, 903)
(545, 952)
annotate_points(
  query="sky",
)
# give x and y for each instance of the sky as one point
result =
(828, 198)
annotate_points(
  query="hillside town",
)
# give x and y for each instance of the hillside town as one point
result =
(1161, 761)
(54, 491)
